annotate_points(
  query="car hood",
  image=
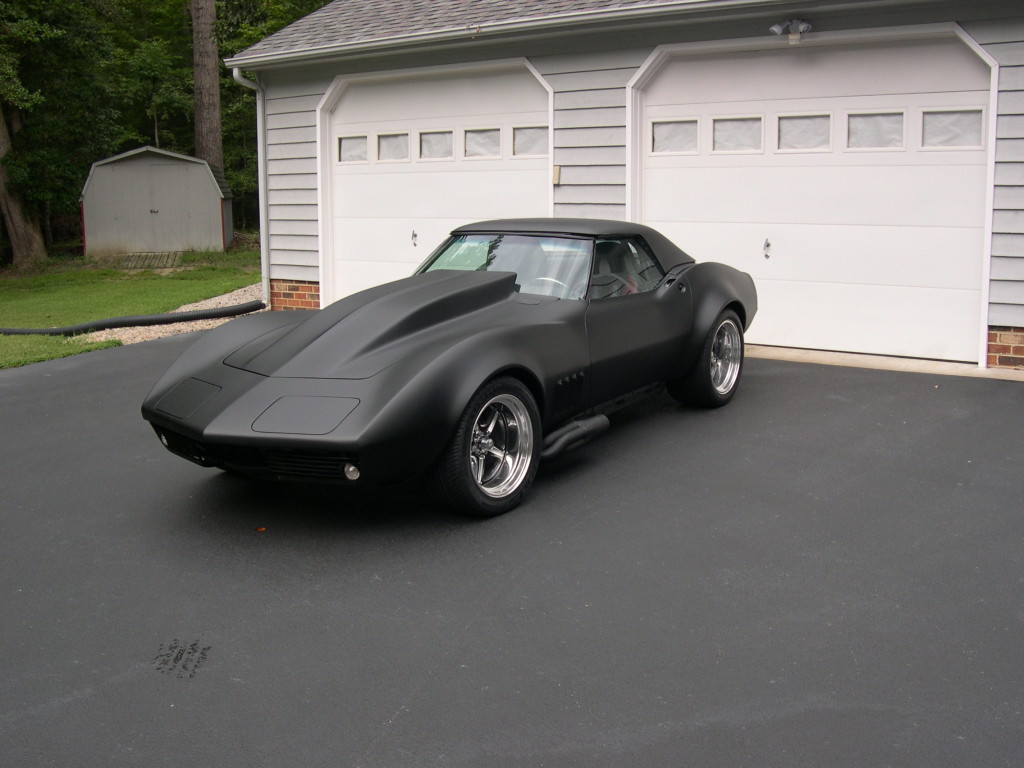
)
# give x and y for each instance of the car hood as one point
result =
(362, 334)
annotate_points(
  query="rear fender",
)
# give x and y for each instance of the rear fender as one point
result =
(715, 287)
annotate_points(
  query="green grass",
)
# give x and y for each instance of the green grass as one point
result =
(68, 292)
(22, 350)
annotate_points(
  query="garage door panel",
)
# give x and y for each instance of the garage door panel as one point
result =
(874, 242)
(910, 257)
(376, 205)
(881, 195)
(485, 94)
(387, 243)
(803, 72)
(360, 274)
(869, 319)
(473, 194)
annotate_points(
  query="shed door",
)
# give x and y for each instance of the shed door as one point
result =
(415, 158)
(849, 182)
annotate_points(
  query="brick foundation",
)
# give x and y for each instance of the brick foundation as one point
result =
(1005, 347)
(294, 294)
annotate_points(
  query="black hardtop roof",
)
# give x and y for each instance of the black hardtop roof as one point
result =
(668, 253)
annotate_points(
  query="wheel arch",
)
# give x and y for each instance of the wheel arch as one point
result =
(717, 287)
(526, 377)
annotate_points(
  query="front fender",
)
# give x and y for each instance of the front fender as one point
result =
(431, 390)
(216, 344)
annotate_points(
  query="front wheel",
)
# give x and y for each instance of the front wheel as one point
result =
(713, 379)
(492, 459)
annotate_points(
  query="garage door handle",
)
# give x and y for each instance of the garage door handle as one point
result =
(414, 238)
(767, 249)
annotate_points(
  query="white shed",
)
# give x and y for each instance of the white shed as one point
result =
(150, 200)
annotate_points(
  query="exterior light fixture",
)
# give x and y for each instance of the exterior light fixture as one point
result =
(796, 27)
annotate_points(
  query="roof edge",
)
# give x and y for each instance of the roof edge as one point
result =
(515, 26)
(216, 176)
(154, 150)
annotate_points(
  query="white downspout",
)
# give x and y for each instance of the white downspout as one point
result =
(261, 161)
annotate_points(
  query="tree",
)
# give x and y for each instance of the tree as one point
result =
(206, 67)
(81, 80)
(16, 32)
(58, 110)
(240, 24)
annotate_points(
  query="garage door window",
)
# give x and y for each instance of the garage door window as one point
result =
(352, 149)
(674, 137)
(952, 129)
(530, 141)
(484, 142)
(436, 145)
(738, 134)
(393, 146)
(877, 130)
(805, 133)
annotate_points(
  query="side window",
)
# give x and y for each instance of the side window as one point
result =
(623, 267)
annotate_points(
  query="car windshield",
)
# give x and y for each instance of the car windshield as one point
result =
(546, 265)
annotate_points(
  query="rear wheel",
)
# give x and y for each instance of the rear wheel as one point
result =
(715, 376)
(492, 459)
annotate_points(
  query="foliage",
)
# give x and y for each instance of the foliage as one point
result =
(69, 118)
(241, 24)
(81, 80)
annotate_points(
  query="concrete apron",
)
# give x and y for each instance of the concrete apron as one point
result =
(882, 363)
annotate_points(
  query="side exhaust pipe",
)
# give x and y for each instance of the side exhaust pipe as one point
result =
(573, 435)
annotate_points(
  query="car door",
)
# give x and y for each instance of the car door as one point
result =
(636, 319)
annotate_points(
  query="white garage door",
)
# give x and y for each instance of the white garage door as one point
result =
(851, 183)
(414, 158)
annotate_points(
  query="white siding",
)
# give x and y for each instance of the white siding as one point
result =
(1004, 41)
(590, 130)
(291, 178)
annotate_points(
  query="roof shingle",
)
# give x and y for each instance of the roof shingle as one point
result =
(350, 22)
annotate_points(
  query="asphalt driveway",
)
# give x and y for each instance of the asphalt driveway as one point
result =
(828, 572)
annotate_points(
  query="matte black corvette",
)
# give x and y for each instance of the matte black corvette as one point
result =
(509, 345)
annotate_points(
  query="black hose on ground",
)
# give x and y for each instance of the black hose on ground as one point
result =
(139, 320)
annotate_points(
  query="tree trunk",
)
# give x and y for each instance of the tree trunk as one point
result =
(22, 229)
(207, 78)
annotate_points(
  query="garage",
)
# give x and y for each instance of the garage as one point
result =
(849, 180)
(407, 159)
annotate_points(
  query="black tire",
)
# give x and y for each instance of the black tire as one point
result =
(492, 459)
(713, 380)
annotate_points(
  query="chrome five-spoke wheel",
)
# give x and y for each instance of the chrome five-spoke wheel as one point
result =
(501, 449)
(713, 379)
(726, 356)
(492, 459)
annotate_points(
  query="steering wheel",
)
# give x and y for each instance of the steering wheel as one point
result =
(557, 283)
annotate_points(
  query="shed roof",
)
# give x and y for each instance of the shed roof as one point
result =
(216, 174)
(352, 25)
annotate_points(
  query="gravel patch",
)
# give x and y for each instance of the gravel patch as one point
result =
(150, 332)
